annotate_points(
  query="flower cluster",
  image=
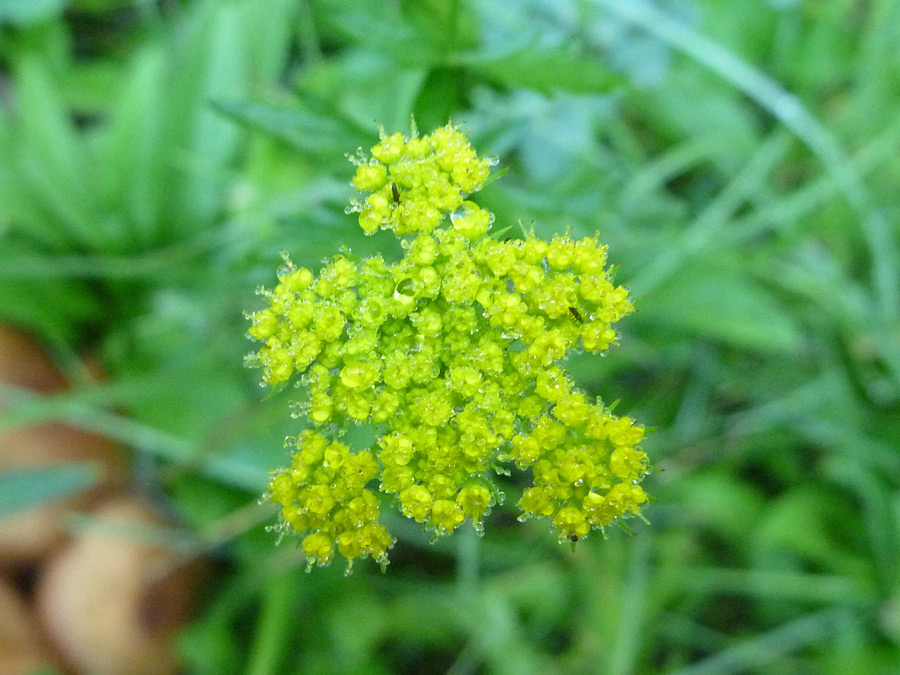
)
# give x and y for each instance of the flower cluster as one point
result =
(451, 354)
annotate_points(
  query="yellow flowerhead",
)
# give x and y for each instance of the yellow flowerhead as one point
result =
(452, 355)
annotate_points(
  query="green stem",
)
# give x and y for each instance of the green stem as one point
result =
(467, 565)
(271, 630)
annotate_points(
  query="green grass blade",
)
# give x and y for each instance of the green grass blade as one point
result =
(21, 489)
(770, 646)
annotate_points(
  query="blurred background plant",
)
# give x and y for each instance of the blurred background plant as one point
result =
(738, 158)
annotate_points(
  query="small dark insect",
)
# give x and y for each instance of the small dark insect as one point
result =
(573, 538)
(576, 314)
(395, 192)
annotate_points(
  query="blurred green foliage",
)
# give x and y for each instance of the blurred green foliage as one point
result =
(738, 158)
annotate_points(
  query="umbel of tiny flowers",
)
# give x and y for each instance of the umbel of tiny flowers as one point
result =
(452, 355)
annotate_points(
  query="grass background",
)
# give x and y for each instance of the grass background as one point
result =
(739, 158)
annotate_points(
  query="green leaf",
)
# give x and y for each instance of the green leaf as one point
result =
(51, 160)
(381, 29)
(22, 489)
(305, 130)
(545, 72)
(723, 306)
(213, 65)
(268, 35)
(46, 306)
(25, 12)
(134, 148)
